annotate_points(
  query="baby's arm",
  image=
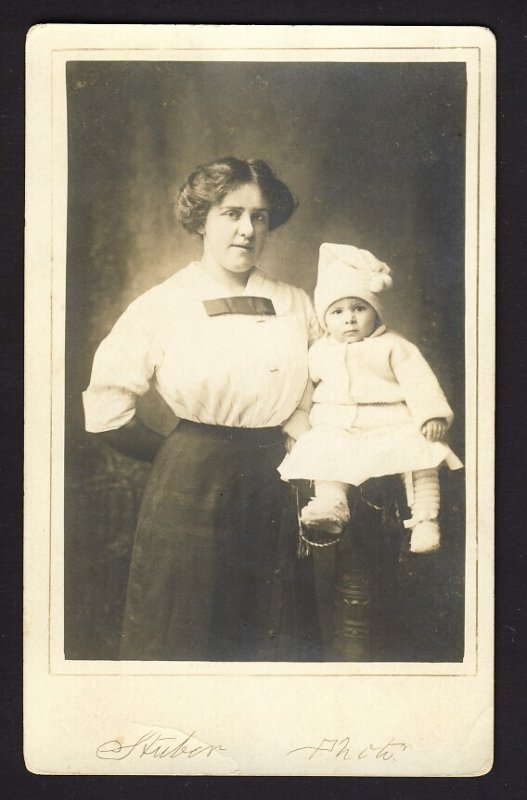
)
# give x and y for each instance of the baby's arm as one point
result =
(422, 392)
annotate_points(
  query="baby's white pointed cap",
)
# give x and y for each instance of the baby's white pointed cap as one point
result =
(347, 271)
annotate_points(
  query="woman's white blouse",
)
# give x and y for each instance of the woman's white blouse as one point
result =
(231, 369)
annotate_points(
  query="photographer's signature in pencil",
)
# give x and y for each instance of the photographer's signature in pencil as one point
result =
(155, 745)
(343, 749)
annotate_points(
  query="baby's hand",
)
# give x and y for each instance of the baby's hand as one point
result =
(434, 429)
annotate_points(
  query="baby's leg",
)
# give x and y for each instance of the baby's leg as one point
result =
(329, 509)
(422, 490)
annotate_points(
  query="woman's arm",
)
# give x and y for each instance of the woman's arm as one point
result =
(122, 370)
(135, 440)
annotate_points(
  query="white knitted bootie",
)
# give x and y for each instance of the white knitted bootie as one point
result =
(321, 515)
(426, 537)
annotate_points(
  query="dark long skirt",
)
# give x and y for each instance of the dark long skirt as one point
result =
(214, 573)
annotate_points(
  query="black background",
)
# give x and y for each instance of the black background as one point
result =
(509, 22)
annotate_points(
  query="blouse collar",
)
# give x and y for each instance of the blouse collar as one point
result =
(209, 288)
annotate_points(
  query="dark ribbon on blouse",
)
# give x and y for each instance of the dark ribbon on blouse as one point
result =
(239, 305)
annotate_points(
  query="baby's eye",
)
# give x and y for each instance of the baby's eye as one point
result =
(360, 308)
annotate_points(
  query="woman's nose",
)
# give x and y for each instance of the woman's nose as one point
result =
(245, 225)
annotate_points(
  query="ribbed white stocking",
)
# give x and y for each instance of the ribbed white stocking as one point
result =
(423, 495)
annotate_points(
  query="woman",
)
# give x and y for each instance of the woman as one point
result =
(213, 574)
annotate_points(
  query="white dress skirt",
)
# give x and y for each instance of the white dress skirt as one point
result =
(379, 439)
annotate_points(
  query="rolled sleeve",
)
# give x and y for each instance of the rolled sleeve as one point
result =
(107, 408)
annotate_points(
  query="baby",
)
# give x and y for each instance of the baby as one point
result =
(377, 409)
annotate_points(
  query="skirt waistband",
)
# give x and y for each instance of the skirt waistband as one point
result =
(226, 432)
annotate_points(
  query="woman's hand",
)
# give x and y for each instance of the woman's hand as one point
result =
(434, 429)
(289, 443)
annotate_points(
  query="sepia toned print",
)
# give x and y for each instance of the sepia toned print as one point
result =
(176, 550)
(365, 171)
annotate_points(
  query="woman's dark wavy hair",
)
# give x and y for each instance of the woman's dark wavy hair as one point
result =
(209, 183)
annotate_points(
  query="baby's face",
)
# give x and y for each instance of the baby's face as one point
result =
(351, 319)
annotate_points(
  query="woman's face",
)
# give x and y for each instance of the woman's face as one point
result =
(236, 228)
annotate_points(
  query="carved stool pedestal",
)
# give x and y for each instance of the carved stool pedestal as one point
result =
(352, 616)
(362, 562)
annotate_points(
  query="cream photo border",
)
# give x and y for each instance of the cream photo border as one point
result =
(442, 713)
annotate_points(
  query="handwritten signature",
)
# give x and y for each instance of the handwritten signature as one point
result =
(155, 745)
(343, 749)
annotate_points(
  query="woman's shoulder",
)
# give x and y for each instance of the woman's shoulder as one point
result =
(278, 285)
(147, 312)
(161, 294)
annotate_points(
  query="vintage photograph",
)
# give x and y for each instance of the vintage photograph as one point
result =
(190, 184)
(259, 470)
